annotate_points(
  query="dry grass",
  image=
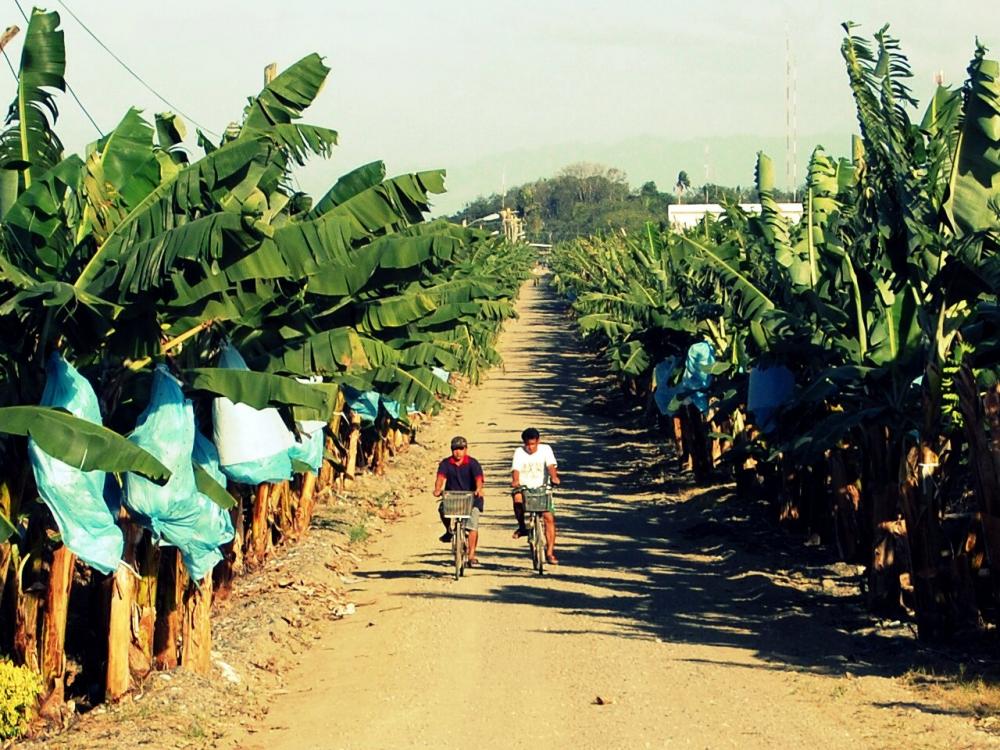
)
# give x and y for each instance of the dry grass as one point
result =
(958, 691)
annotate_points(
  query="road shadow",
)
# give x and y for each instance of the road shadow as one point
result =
(647, 554)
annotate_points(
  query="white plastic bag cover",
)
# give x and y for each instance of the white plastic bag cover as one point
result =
(241, 433)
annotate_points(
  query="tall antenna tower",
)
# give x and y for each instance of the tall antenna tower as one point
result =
(707, 173)
(791, 124)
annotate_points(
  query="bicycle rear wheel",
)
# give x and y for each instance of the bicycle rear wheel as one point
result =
(539, 548)
(458, 546)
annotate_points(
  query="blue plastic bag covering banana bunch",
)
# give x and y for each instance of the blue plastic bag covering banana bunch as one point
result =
(363, 403)
(76, 498)
(252, 443)
(177, 513)
(309, 450)
(693, 387)
(769, 389)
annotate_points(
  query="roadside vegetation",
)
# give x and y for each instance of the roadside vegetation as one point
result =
(843, 369)
(132, 276)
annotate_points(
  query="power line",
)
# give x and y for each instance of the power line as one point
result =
(68, 87)
(135, 75)
(10, 65)
(77, 99)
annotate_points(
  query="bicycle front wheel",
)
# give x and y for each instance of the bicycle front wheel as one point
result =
(539, 550)
(458, 545)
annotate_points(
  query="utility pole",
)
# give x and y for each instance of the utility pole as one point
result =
(9, 33)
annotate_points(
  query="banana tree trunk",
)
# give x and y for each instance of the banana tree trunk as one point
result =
(304, 511)
(933, 584)
(696, 441)
(883, 536)
(231, 564)
(257, 539)
(354, 437)
(29, 598)
(282, 511)
(144, 615)
(26, 630)
(196, 635)
(169, 609)
(54, 627)
(984, 460)
(846, 507)
(122, 598)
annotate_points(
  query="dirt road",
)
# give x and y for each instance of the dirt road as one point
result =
(658, 630)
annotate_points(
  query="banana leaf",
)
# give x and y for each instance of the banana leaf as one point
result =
(79, 443)
(211, 489)
(257, 389)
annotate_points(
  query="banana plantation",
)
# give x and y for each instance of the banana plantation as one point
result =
(191, 348)
(844, 369)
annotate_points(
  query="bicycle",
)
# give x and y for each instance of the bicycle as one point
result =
(458, 507)
(537, 501)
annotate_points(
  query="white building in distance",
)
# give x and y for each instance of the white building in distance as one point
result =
(685, 215)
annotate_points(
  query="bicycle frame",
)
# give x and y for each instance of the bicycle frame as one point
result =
(459, 544)
(459, 533)
(535, 521)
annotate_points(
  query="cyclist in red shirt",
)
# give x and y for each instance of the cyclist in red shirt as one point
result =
(460, 472)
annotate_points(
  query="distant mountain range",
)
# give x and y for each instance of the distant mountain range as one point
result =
(730, 159)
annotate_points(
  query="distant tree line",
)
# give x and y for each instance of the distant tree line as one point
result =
(586, 199)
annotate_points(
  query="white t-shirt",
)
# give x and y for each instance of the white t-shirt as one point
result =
(531, 466)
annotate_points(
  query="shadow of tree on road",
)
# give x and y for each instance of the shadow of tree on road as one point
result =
(648, 555)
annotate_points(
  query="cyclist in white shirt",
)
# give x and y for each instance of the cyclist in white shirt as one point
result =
(532, 462)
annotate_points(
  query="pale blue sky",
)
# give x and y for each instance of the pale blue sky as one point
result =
(470, 85)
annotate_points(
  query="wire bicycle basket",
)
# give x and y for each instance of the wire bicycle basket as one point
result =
(457, 504)
(537, 499)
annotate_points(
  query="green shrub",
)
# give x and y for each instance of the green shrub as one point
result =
(19, 691)
(358, 533)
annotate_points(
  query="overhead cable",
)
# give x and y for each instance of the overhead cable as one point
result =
(131, 72)
(68, 87)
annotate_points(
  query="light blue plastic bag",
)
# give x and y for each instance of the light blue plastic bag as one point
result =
(309, 450)
(391, 407)
(362, 403)
(76, 498)
(177, 512)
(700, 358)
(694, 384)
(769, 389)
(663, 393)
(207, 457)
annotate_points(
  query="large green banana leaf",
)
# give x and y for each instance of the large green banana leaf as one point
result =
(282, 101)
(29, 144)
(349, 185)
(396, 311)
(727, 261)
(325, 353)
(190, 190)
(973, 203)
(122, 169)
(257, 389)
(79, 443)
(211, 489)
